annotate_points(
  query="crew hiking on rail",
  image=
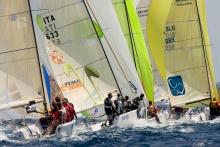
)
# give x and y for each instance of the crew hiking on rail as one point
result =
(60, 113)
(121, 105)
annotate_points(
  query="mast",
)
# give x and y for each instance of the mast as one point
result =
(203, 45)
(44, 103)
(103, 49)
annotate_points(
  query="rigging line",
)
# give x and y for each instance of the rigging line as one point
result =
(130, 33)
(204, 50)
(40, 70)
(135, 50)
(61, 7)
(113, 54)
(17, 50)
(102, 46)
(14, 14)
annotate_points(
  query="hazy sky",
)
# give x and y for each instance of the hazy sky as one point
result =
(213, 20)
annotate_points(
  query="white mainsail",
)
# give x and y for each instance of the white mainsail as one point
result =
(19, 66)
(115, 46)
(85, 55)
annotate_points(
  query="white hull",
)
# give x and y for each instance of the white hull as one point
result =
(129, 119)
(34, 131)
(198, 116)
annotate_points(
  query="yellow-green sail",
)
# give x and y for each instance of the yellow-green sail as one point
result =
(156, 21)
(131, 27)
(202, 13)
(178, 39)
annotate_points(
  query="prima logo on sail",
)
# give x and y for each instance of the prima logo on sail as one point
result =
(176, 85)
(71, 85)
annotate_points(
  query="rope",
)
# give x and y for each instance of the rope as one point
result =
(112, 51)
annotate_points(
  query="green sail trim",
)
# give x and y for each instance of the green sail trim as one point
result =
(39, 22)
(142, 60)
(86, 114)
(98, 29)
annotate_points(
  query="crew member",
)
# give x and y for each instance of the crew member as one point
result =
(152, 111)
(213, 106)
(123, 106)
(109, 108)
(58, 118)
(137, 102)
(118, 103)
(128, 104)
(69, 108)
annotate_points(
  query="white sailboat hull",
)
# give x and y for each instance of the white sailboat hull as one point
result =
(198, 116)
(129, 119)
(34, 131)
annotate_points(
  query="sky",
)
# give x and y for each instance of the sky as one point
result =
(213, 21)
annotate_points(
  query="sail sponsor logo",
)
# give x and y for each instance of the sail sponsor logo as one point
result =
(170, 37)
(51, 31)
(184, 2)
(133, 86)
(126, 117)
(71, 85)
(56, 57)
(176, 85)
(142, 13)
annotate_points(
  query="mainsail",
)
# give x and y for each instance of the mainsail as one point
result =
(160, 88)
(19, 66)
(85, 62)
(185, 50)
(127, 16)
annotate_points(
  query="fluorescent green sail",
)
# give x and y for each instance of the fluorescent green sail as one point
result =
(131, 27)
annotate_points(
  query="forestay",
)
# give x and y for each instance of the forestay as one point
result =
(160, 88)
(127, 16)
(115, 46)
(19, 67)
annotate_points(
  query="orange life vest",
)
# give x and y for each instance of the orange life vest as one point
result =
(152, 109)
(214, 104)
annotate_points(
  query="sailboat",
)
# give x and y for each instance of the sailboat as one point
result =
(130, 25)
(179, 43)
(89, 50)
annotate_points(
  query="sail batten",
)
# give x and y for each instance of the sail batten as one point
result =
(184, 50)
(19, 64)
(116, 47)
(81, 69)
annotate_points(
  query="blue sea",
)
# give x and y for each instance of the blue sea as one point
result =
(171, 134)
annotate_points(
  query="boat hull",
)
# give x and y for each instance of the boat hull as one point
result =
(128, 119)
(34, 131)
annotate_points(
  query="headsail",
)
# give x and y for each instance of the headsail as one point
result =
(19, 66)
(127, 16)
(185, 53)
(84, 67)
(160, 88)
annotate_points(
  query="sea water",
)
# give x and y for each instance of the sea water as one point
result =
(173, 133)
